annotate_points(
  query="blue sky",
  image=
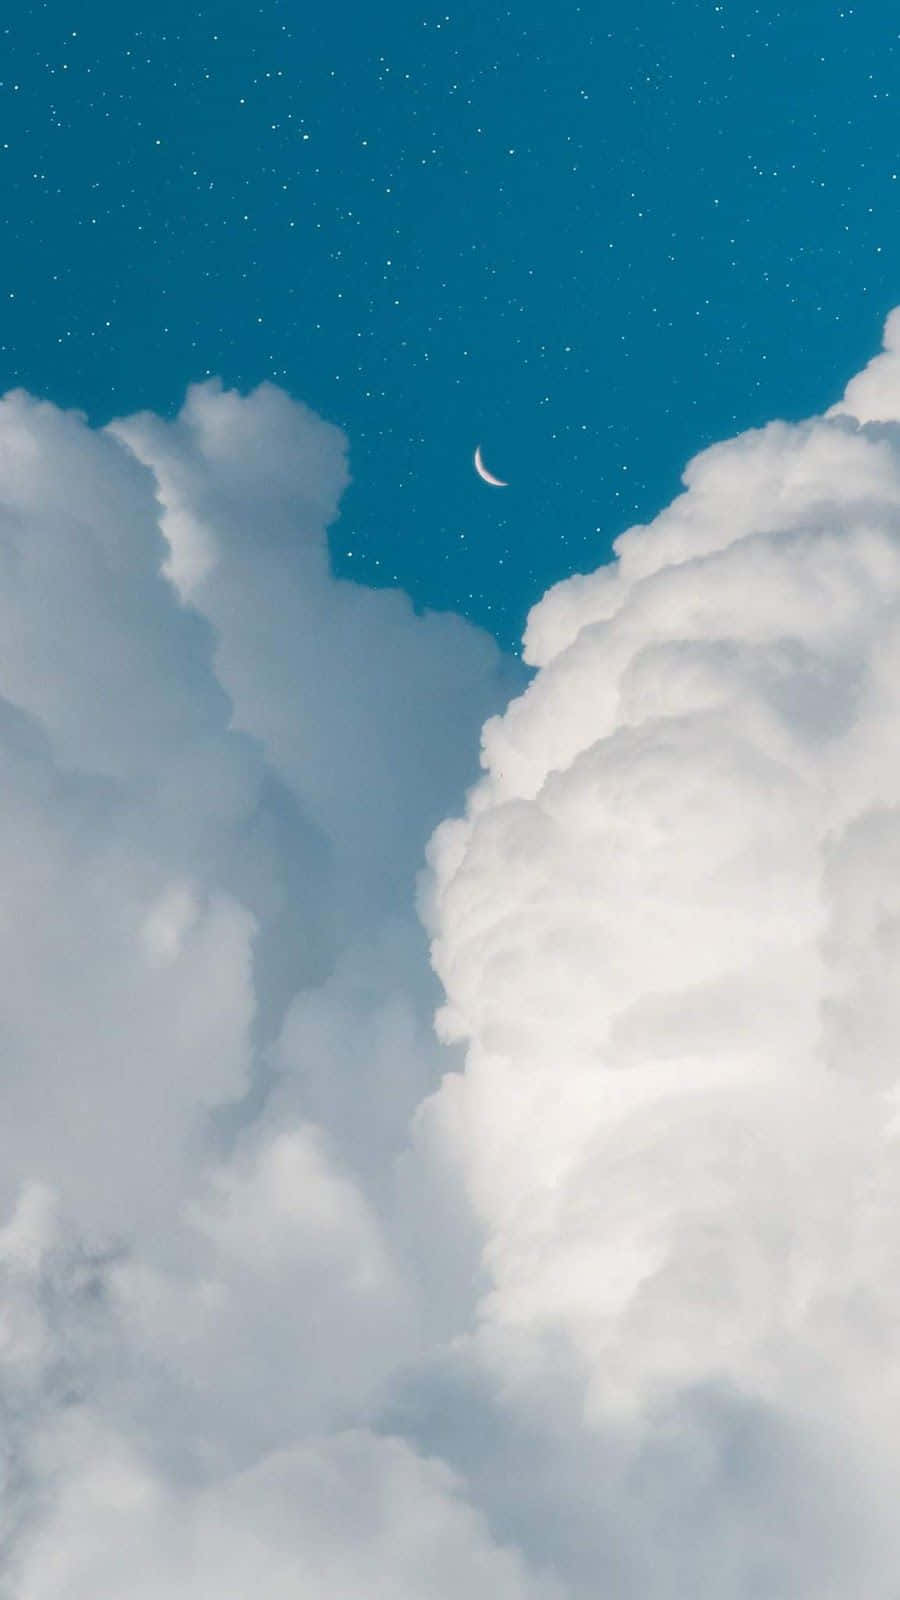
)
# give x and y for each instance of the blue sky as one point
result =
(592, 239)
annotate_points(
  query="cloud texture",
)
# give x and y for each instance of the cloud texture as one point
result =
(592, 1288)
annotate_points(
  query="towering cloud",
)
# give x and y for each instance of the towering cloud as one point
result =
(592, 1289)
(667, 931)
(220, 768)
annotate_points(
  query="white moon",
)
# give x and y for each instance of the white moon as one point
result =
(481, 469)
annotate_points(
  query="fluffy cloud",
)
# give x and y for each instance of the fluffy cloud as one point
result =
(209, 875)
(666, 929)
(329, 1519)
(343, 685)
(590, 1289)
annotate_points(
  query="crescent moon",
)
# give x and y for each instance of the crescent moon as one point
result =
(481, 469)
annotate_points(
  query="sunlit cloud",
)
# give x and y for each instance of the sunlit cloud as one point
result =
(562, 1264)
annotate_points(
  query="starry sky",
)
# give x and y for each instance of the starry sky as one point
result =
(593, 239)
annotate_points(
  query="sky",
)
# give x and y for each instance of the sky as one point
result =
(449, 1114)
(590, 241)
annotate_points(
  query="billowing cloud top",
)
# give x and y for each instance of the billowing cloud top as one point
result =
(592, 1289)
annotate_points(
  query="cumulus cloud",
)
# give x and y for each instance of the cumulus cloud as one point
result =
(209, 877)
(330, 1519)
(666, 932)
(587, 1286)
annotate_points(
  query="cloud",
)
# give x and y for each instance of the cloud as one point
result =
(209, 874)
(666, 930)
(342, 685)
(591, 1287)
(330, 1519)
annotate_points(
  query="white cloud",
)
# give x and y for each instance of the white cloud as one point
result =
(593, 1291)
(197, 1251)
(361, 706)
(667, 934)
(330, 1519)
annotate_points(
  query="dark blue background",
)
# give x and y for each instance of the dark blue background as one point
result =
(593, 238)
